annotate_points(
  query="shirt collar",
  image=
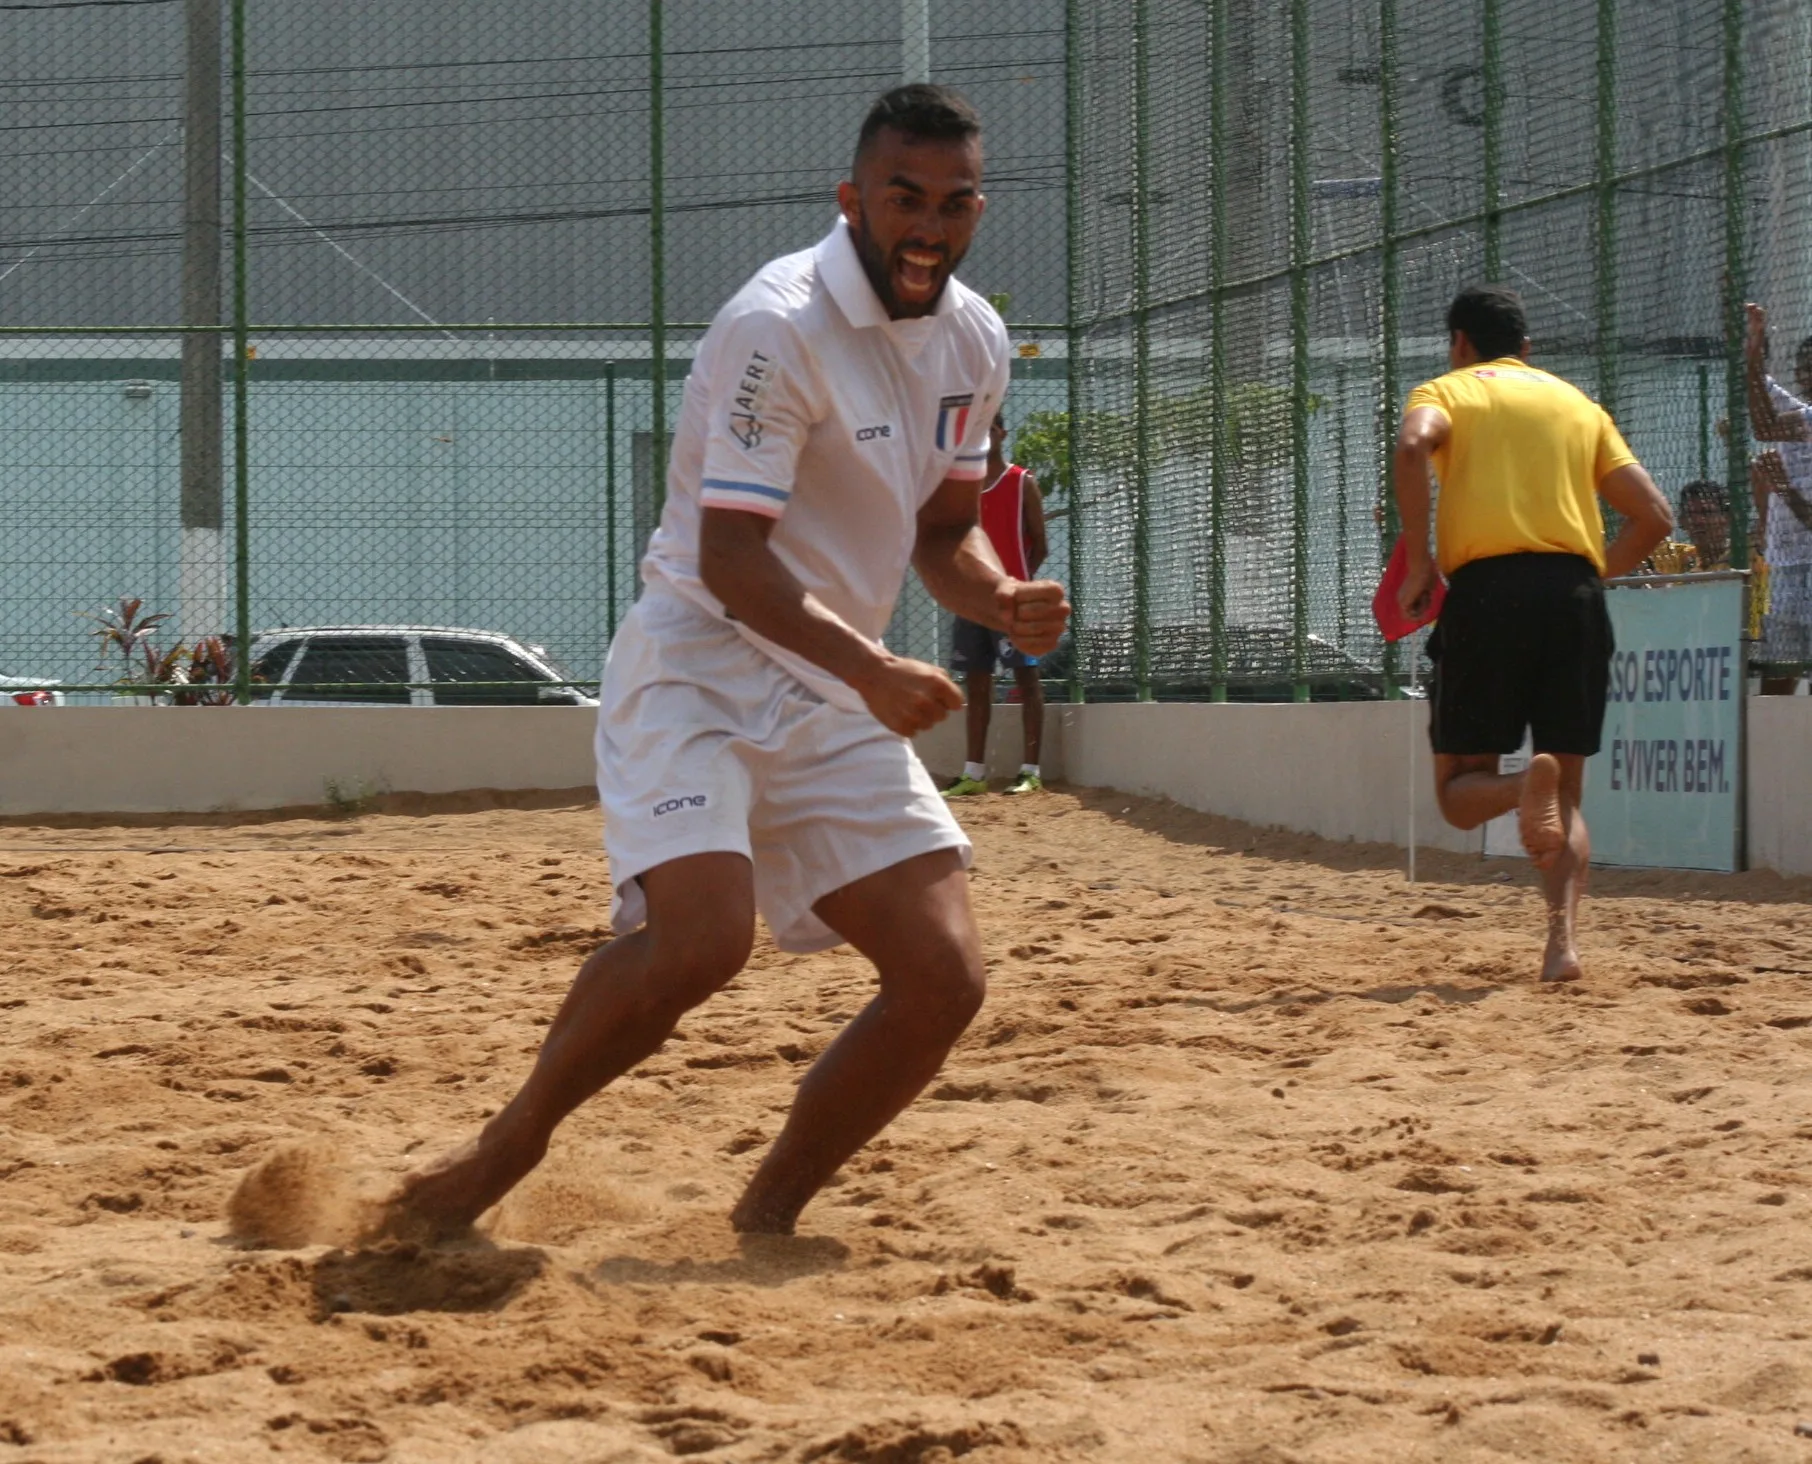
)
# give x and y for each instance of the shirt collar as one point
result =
(841, 268)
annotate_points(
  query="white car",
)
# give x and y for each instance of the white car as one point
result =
(406, 665)
(23, 691)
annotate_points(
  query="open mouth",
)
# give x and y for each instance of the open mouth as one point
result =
(918, 274)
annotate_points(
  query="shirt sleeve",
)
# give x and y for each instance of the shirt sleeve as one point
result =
(1428, 394)
(760, 407)
(971, 464)
(1613, 451)
(1787, 405)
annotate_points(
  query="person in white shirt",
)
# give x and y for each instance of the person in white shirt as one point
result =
(752, 738)
(1778, 417)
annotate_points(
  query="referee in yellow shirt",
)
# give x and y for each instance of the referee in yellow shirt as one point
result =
(1524, 640)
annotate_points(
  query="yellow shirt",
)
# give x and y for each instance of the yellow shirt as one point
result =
(1520, 468)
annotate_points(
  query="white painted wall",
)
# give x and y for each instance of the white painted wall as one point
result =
(205, 759)
(1338, 769)
(1341, 770)
(1780, 783)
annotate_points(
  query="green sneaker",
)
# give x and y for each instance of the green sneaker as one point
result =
(1027, 783)
(966, 787)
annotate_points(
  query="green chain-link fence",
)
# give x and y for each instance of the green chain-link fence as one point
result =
(465, 253)
(1272, 205)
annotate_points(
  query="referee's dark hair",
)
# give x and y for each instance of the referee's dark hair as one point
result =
(1492, 318)
(922, 111)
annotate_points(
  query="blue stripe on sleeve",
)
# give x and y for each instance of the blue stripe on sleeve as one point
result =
(730, 485)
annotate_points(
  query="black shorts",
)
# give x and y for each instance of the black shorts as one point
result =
(1524, 641)
(974, 649)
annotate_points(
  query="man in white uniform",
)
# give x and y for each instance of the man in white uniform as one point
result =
(1778, 417)
(752, 750)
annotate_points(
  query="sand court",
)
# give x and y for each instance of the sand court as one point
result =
(1256, 1154)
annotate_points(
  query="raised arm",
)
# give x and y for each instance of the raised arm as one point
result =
(1767, 423)
(739, 567)
(959, 567)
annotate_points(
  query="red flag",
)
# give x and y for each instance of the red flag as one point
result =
(1393, 624)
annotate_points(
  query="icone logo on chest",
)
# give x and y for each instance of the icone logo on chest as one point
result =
(869, 434)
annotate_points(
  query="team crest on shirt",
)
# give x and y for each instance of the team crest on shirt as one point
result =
(953, 419)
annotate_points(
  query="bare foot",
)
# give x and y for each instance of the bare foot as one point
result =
(445, 1197)
(753, 1216)
(1538, 817)
(1560, 962)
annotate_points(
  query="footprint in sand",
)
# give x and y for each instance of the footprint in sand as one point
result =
(303, 1194)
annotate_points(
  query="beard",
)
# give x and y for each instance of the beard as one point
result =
(878, 265)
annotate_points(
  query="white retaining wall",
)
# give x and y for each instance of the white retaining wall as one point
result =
(1341, 770)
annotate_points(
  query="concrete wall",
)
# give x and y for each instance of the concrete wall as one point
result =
(204, 759)
(1780, 783)
(1338, 769)
(1341, 770)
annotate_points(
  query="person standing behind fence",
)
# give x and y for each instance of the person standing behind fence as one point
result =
(1779, 417)
(1523, 642)
(1012, 512)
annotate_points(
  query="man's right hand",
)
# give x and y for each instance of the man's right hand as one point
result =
(1755, 332)
(1418, 584)
(907, 696)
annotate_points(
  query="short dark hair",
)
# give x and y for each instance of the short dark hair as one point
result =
(1707, 493)
(1491, 317)
(923, 112)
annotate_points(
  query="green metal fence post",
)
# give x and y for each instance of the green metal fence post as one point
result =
(1494, 132)
(1217, 346)
(610, 495)
(1141, 225)
(1072, 240)
(657, 255)
(1736, 402)
(242, 538)
(1704, 421)
(1604, 233)
(1342, 505)
(1387, 183)
(1299, 348)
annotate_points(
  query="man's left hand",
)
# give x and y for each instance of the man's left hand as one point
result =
(1033, 614)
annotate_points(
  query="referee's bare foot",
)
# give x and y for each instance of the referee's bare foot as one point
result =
(1538, 816)
(1560, 962)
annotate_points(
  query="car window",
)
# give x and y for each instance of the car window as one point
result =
(347, 661)
(268, 669)
(454, 663)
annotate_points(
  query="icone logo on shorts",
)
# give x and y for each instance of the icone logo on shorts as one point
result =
(674, 805)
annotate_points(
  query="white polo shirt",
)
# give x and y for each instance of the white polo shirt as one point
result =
(805, 403)
(1789, 541)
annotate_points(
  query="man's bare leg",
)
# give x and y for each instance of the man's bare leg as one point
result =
(1031, 701)
(624, 1003)
(1470, 789)
(1563, 878)
(914, 922)
(978, 692)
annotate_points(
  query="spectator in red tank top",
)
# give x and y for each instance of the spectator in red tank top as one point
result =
(1012, 514)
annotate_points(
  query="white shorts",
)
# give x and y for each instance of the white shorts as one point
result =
(706, 746)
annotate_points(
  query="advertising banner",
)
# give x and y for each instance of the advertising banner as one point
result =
(1665, 788)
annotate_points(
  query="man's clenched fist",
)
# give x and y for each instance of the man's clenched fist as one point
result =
(1033, 614)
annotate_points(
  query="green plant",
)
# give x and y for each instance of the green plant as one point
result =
(1256, 432)
(350, 800)
(201, 675)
